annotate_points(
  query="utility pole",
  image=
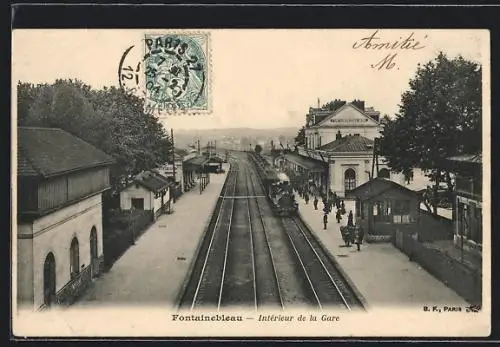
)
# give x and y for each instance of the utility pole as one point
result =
(173, 162)
(374, 158)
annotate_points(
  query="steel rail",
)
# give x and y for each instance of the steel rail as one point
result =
(227, 244)
(323, 265)
(252, 249)
(303, 267)
(264, 229)
(211, 242)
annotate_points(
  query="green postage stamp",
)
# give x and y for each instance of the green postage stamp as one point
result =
(173, 74)
(177, 71)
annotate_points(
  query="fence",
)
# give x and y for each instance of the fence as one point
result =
(121, 232)
(434, 227)
(465, 281)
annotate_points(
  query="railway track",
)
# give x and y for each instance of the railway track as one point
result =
(267, 286)
(327, 285)
(205, 284)
(249, 258)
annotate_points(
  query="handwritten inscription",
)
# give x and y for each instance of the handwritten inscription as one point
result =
(388, 62)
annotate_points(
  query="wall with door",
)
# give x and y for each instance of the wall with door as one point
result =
(136, 191)
(54, 233)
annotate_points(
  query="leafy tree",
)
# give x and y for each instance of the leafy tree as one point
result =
(300, 139)
(258, 149)
(334, 105)
(439, 116)
(108, 118)
(26, 94)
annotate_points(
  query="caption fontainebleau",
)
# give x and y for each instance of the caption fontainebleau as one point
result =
(378, 43)
(259, 318)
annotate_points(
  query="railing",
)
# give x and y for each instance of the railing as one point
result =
(68, 294)
(469, 186)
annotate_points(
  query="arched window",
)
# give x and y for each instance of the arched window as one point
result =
(49, 279)
(74, 257)
(384, 173)
(349, 179)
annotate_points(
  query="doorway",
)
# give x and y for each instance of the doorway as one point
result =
(49, 280)
(94, 254)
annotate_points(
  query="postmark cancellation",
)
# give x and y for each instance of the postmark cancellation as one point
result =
(173, 74)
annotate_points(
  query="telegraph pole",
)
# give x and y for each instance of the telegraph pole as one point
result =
(173, 162)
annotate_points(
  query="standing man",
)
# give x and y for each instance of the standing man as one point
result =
(315, 202)
(306, 198)
(338, 216)
(350, 221)
(359, 238)
(325, 221)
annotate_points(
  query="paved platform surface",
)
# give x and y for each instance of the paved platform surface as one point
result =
(381, 273)
(153, 270)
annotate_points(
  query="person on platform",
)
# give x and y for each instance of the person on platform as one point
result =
(325, 220)
(306, 198)
(338, 216)
(350, 222)
(315, 202)
(342, 207)
(359, 238)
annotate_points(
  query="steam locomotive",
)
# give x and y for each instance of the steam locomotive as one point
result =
(280, 193)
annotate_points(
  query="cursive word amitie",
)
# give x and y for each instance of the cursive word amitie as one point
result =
(372, 42)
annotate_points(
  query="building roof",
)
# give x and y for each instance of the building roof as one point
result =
(467, 158)
(50, 152)
(305, 162)
(151, 180)
(377, 186)
(350, 143)
(197, 161)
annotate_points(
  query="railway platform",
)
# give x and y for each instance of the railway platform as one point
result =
(381, 275)
(155, 268)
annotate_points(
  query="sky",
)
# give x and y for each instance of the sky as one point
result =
(260, 78)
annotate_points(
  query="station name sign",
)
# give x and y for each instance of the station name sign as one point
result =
(349, 120)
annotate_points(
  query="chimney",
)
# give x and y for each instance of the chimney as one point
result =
(359, 104)
(338, 136)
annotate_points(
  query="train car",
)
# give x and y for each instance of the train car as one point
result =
(280, 193)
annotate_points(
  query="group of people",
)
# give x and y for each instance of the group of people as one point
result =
(328, 204)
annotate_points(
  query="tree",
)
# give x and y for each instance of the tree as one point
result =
(26, 94)
(439, 116)
(258, 149)
(334, 105)
(107, 118)
(300, 139)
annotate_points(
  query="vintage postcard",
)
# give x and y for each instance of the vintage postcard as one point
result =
(251, 183)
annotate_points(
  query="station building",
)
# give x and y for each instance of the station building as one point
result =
(323, 125)
(339, 150)
(60, 182)
(149, 191)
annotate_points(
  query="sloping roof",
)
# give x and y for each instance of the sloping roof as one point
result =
(468, 158)
(340, 109)
(354, 143)
(197, 161)
(49, 152)
(305, 162)
(376, 187)
(151, 180)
